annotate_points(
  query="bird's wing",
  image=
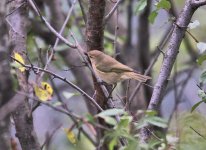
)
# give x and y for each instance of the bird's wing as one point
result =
(109, 64)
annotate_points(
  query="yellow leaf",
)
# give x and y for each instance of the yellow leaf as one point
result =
(18, 57)
(70, 136)
(43, 92)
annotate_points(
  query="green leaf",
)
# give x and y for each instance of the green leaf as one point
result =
(124, 121)
(201, 59)
(132, 145)
(90, 118)
(109, 120)
(111, 112)
(141, 4)
(203, 77)
(157, 121)
(141, 124)
(112, 144)
(196, 105)
(164, 4)
(151, 113)
(152, 16)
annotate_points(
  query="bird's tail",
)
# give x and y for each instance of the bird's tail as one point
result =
(138, 77)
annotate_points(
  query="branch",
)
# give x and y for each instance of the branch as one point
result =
(64, 24)
(57, 39)
(68, 113)
(34, 68)
(170, 56)
(74, 117)
(109, 15)
(32, 4)
(83, 11)
(18, 34)
(154, 60)
(198, 3)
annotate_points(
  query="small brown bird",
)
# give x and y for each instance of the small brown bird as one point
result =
(110, 70)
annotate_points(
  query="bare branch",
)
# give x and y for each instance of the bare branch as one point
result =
(154, 60)
(170, 56)
(64, 24)
(198, 3)
(34, 68)
(32, 4)
(69, 113)
(83, 11)
(109, 15)
(57, 39)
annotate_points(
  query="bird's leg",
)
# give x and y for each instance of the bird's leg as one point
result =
(110, 93)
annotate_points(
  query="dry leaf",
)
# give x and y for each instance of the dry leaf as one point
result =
(43, 92)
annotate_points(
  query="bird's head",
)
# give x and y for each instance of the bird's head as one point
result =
(95, 55)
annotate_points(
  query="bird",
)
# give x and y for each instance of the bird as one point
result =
(110, 70)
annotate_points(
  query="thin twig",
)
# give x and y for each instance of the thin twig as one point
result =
(127, 96)
(69, 113)
(64, 24)
(193, 37)
(15, 9)
(57, 39)
(73, 116)
(116, 30)
(83, 11)
(152, 63)
(169, 59)
(49, 137)
(175, 95)
(153, 134)
(183, 84)
(198, 133)
(108, 16)
(33, 5)
(34, 68)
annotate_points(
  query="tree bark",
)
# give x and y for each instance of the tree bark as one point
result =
(95, 25)
(70, 57)
(5, 80)
(95, 36)
(17, 35)
(94, 41)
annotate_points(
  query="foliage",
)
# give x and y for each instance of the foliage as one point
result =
(140, 5)
(122, 130)
(162, 4)
(120, 124)
(183, 127)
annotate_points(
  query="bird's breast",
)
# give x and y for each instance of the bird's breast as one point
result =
(108, 77)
